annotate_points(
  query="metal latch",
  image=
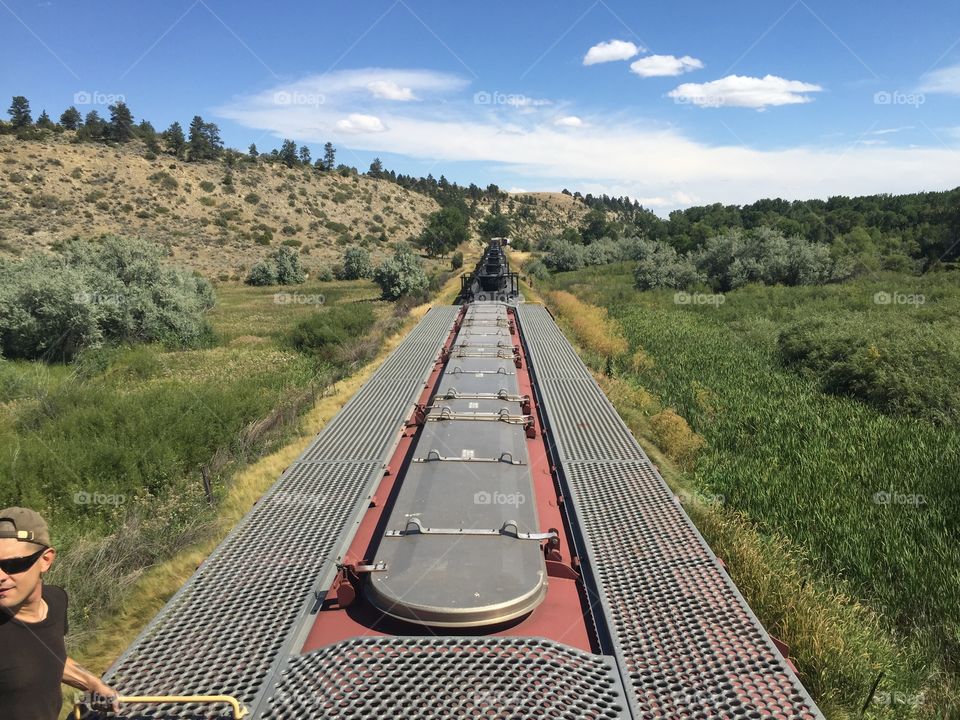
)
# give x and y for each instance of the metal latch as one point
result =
(508, 529)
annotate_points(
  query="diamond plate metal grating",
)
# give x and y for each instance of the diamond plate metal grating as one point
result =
(431, 677)
(587, 430)
(557, 358)
(368, 424)
(233, 624)
(224, 630)
(685, 639)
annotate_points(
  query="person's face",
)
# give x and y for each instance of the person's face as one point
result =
(15, 588)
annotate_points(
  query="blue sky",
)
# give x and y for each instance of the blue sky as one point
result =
(674, 104)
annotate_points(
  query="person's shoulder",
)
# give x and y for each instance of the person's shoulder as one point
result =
(54, 593)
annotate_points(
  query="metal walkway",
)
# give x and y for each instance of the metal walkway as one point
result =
(678, 640)
(235, 622)
(685, 640)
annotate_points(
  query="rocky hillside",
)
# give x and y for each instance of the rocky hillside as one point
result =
(216, 221)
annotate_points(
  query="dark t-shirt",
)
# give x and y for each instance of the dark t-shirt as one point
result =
(32, 656)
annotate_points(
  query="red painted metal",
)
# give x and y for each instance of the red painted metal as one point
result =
(562, 616)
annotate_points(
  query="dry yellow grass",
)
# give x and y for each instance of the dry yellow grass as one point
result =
(674, 436)
(591, 326)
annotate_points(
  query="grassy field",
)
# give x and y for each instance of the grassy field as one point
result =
(113, 449)
(806, 455)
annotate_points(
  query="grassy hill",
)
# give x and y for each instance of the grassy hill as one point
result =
(219, 220)
(53, 189)
(539, 214)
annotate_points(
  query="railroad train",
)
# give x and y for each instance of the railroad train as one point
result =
(491, 279)
(476, 534)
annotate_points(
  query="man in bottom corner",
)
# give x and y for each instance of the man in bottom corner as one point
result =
(33, 623)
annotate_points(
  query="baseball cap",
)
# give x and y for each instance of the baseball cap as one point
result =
(24, 524)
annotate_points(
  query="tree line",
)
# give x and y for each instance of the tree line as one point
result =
(199, 142)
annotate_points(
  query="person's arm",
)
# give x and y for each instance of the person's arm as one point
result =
(76, 676)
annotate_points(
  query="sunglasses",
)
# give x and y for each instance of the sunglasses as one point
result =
(17, 565)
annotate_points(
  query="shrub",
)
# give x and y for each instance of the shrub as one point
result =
(356, 264)
(326, 332)
(281, 267)
(323, 274)
(401, 275)
(207, 186)
(659, 266)
(118, 290)
(263, 273)
(165, 180)
(456, 260)
(564, 256)
(536, 269)
(763, 255)
(901, 368)
(289, 269)
(602, 252)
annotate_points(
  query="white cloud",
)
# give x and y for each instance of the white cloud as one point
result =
(664, 65)
(890, 131)
(664, 167)
(569, 121)
(945, 81)
(360, 123)
(611, 51)
(743, 91)
(390, 91)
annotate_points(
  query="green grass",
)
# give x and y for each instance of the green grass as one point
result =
(110, 448)
(864, 493)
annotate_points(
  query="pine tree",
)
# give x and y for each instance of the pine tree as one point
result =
(252, 152)
(71, 118)
(288, 153)
(204, 142)
(329, 156)
(94, 127)
(121, 122)
(19, 112)
(44, 122)
(376, 168)
(197, 145)
(174, 139)
(146, 130)
(304, 155)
